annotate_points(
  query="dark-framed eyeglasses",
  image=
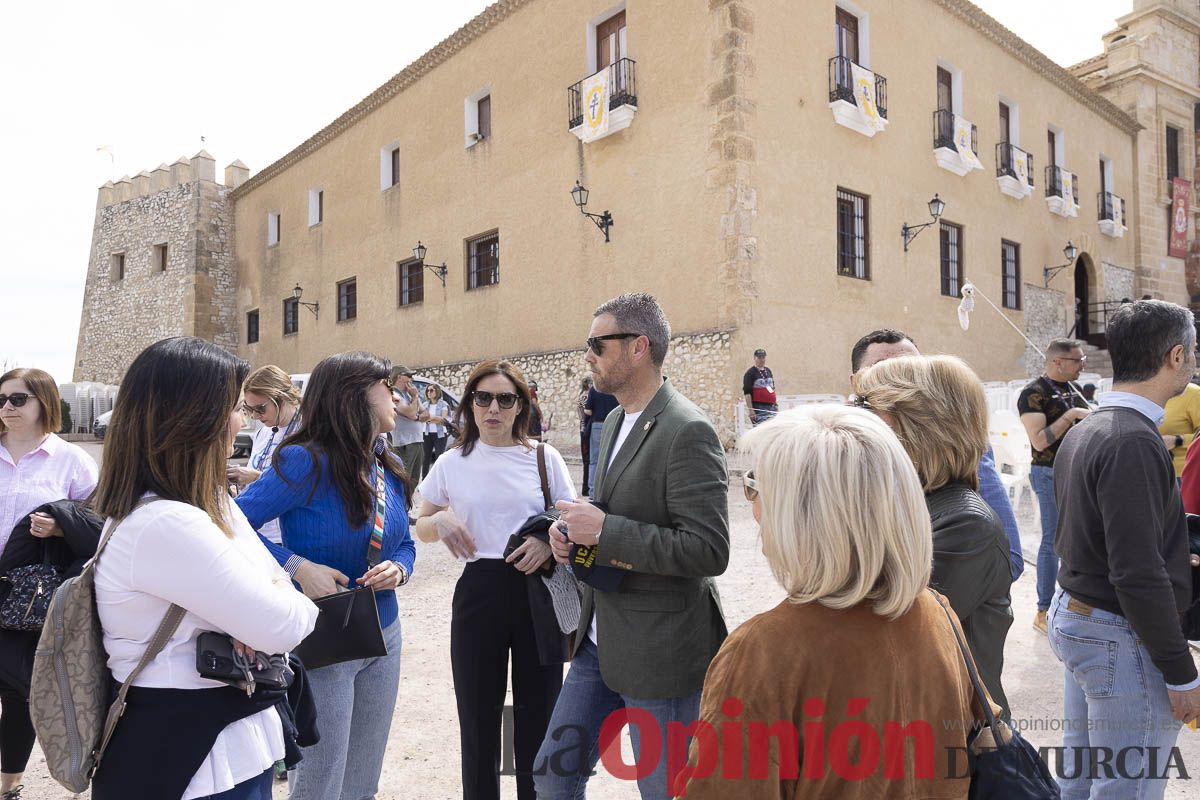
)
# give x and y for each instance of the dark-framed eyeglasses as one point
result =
(389, 382)
(18, 399)
(257, 410)
(750, 486)
(596, 343)
(859, 401)
(503, 399)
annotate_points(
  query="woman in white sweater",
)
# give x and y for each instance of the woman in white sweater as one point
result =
(182, 541)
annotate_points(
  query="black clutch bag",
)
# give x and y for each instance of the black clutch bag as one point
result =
(216, 660)
(347, 629)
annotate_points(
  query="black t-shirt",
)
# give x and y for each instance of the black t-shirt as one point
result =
(600, 404)
(760, 385)
(1044, 396)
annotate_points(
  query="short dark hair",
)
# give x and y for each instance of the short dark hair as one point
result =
(640, 313)
(1060, 347)
(1141, 335)
(880, 336)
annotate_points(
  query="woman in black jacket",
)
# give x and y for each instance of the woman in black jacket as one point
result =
(939, 411)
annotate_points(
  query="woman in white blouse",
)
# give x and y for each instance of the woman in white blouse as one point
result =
(478, 494)
(438, 411)
(182, 541)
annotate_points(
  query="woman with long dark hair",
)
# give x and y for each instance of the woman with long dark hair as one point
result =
(478, 495)
(323, 489)
(177, 539)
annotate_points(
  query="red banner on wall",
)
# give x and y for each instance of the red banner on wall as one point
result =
(1181, 195)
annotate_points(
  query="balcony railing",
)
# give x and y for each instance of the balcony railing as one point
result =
(1106, 209)
(943, 131)
(841, 84)
(1006, 159)
(1054, 183)
(622, 90)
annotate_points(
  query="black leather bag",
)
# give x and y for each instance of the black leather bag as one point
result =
(1009, 768)
(216, 660)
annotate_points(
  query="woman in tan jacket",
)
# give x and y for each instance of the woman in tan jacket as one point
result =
(854, 686)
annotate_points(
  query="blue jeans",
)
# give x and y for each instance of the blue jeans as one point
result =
(585, 701)
(257, 788)
(354, 701)
(1114, 698)
(594, 450)
(1042, 481)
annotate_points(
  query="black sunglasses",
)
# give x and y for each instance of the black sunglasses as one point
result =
(596, 343)
(257, 410)
(18, 399)
(484, 399)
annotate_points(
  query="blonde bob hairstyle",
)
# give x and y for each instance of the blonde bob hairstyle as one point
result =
(274, 384)
(843, 517)
(938, 410)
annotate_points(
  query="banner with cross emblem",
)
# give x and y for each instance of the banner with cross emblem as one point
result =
(594, 93)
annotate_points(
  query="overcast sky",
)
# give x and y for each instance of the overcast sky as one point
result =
(148, 79)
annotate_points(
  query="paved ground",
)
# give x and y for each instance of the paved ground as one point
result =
(422, 758)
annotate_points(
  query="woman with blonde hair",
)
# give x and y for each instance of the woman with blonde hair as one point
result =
(938, 409)
(847, 536)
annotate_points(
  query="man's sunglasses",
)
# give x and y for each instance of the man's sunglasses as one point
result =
(18, 399)
(596, 343)
(257, 410)
(750, 486)
(503, 399)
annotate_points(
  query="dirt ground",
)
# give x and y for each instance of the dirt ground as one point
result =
(422, 756)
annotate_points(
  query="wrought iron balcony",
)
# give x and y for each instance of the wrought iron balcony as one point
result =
(943, 131)
(1055, 178)
(622, 91)
(841, 84)
(1110, 213)
(1007, 157)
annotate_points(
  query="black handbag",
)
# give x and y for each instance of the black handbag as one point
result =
(1011, 769)
(30, 589)
(217, 660)
(348, 626)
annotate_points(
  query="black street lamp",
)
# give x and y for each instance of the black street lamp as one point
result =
(910, 232)
(1069, 252)
(313, 307)
(419, 254)
(603, 221)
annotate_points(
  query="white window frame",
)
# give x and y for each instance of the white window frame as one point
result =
(273, 219)
(1014, 119)
(471, 135)
(1060, 146)
(385, 165)
(315, 206)
(864, 31)
(590, 34)
(956, 85)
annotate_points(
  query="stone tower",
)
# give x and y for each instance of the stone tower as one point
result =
(1150, 68)
(161, 265)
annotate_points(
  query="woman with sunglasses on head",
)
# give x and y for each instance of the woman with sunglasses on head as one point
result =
(175, 538)
(36, 468)
(329, 485)
(270, 397)
(478, 495)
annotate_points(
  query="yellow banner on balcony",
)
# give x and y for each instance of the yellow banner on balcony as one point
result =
(594, 94)
(1020, 165)
(864, 96)
(1068, 185)
(962, 142)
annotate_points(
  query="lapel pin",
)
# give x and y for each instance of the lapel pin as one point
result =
(648, 424)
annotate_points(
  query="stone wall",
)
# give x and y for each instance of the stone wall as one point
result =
(1045, 319)
(1118, 283)
(699, 365)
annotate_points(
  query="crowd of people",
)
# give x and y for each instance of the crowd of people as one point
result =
(884, 520)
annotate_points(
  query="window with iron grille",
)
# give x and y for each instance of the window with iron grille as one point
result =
(291, 316)
(951, 259)
(852, 237)
(1010, 273)
(347, 294)
(412, 282)
(252, 326)
(483, 261)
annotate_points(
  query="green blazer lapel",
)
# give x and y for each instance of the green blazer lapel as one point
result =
(612, 425)
(629, 449)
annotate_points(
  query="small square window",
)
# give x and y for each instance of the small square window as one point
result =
(483, 261)
(347, 294)
(1010, 273)
(117, 265)
(951, 259)
(291, 316)
(412, 282)
(316, 207)
(252, 326)
(160, 257)
(273, 226)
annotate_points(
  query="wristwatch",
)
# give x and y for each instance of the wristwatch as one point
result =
(1178, 440)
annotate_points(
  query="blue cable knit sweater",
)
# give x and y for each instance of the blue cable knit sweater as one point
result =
(318, 529)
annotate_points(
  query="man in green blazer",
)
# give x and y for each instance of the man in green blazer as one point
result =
(643, 646)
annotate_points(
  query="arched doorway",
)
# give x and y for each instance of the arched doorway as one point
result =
(1082, 298)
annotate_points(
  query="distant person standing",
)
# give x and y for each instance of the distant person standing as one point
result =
(408, 439)
(597, 407)
(437, 414)
(585, 429)
(758, 386)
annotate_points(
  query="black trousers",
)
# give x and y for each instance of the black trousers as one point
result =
(434, 446)
(16, 732)
(491, 617)
(585, 440)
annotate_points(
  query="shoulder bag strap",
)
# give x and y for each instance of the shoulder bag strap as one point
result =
(984, 699)
(541, 458)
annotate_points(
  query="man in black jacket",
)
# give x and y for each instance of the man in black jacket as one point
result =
(1124, 576)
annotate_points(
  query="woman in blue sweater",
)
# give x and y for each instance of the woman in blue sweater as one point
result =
(321, 487)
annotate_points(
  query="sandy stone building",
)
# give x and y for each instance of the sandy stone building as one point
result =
(758, 158)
